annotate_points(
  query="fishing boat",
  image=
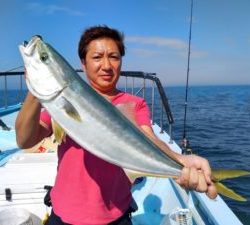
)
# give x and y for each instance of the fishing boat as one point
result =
(26, 175)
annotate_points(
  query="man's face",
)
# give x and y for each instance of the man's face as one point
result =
(102, 64)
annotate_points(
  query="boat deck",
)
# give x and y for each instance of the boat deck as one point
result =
(26, 174)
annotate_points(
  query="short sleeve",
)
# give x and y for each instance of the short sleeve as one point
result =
(46, 119)
(142, 113)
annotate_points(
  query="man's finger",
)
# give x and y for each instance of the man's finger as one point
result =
(205, 167)
(194, 179)
(202, 184)
(212, 191)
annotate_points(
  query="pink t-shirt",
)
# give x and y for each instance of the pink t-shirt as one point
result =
(89, 190)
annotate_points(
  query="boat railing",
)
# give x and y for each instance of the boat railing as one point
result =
(146, 85)
(5, 79)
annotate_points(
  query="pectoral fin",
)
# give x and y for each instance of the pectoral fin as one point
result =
(69, 109)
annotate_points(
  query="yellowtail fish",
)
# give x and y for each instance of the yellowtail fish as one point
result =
(88, 118)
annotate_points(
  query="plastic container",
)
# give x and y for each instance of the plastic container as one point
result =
(180, 217)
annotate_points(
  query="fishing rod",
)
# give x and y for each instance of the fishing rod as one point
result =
(185, 142)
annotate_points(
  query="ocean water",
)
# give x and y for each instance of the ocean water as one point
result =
(218, 128)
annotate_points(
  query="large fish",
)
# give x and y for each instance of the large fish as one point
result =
(88, 118)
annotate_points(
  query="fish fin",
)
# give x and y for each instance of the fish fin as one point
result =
(69, 109)
(133, 175)
(218, 175)
(58, 131)
(128, 110)
(46, 218)
(223, 190)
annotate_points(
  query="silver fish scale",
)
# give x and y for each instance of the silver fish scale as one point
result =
(110, 136)
(103, 130)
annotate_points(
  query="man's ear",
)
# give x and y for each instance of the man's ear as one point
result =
(83, 65)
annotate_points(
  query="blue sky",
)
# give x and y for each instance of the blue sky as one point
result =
(156, 34)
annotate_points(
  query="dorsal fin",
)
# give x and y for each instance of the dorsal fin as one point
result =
(128, 110)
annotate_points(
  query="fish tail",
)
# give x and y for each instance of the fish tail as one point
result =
(218, 175)
(225, 191)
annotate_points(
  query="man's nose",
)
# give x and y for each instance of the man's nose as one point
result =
(106, 63)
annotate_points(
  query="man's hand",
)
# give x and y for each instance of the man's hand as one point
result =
(196, 175)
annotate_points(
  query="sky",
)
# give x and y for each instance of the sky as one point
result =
(156, 35)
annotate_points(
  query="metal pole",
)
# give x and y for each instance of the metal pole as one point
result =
(126, 83)
(143, 91)
(5, 92)
(133, 83)
(153, 101)
(161, 118)
(20, 89)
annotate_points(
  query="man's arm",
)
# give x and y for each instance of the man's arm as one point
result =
(196, 174)
(29, 130)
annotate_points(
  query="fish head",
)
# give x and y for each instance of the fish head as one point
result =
(45, 69)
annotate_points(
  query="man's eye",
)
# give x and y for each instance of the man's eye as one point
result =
(96, 57)
(116, 57)
(44, 56)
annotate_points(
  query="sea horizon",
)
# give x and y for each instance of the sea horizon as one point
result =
(218, 127)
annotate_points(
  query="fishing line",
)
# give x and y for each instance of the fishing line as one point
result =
(185, 143)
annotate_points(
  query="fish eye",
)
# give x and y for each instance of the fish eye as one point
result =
(44, 56)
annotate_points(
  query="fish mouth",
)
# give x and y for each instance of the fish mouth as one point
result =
(30, 51)
(27, 48)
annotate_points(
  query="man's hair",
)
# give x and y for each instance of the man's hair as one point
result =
(97, 32)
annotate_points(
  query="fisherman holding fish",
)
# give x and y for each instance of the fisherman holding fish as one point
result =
(89, 190)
